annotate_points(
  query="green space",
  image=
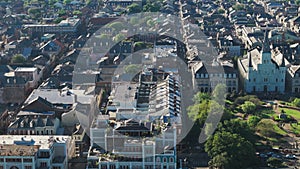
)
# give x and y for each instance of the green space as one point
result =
(292, 112)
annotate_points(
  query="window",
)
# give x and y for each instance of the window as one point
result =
(43, 164)
(27, 160)
(171, 159)
(28, 167)
(165, 159)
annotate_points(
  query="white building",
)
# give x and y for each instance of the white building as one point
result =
(35, 152)
(263, 71)
(142, 125)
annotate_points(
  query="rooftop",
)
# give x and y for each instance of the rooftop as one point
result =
(18, 150)
(40, 141)
(25, 69)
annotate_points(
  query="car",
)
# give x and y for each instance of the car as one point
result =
(270, 153)
(263, 155)
(290, 156)
(276, 155)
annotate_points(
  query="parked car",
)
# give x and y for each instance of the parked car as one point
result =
(290, 156)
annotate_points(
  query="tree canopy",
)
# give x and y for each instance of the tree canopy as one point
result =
(248, 107)
(134, 8)
(18, 58)
(230, 151)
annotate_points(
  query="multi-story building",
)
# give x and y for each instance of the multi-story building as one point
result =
(207, 76)
(263, 70)
(67, 26)
(142, 124)
(35, 152)
(30, 74)
(293, 79)
(30, 123)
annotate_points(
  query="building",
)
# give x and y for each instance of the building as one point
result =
(141, 125)
(33, 152)
(16, 84)
(30, 123)
(263, 70)
(30, 74)
(207, 76)
(67, 26)
(293, 79)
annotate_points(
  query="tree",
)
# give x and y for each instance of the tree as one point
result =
(62, 12)
(248, 107)
(266, 128)
(230, 151)
(199, 97)
(134, 8)
(77, 12)
(117, 26)
(253, 121)
(152, 6)
(34, 12)
(67, 1)
(18, 58)
(221, 11)
(199, 112)
(219, 93)
(132, 69)
(139, 46)
(119, 37)
(238, 126)
(296, 102)
(274, 162)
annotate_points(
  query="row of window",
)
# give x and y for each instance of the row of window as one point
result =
(265, 80)
(202, 75)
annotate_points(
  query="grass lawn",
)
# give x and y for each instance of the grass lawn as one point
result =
(269, 130)
(291, 112)
(295, 128)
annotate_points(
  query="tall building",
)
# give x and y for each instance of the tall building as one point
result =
(142, 124)
(263, 70)
(35, 152)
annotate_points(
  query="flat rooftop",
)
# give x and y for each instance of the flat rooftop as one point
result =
(54, 96)
(18, 150)
(25, 69)
(43, 142)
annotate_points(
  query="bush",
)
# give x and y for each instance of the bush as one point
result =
(296, 102)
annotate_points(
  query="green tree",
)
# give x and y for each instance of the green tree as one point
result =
(132, 69)
(139, 46)
(199, 97)
(219, 93)
(230, 151)
(34, 12)
(62, 12)
(152, 6)
(67, 1)
(248, 107)
(199, 112)
(221, 11)
(274, 162)
(134, 8)
(119, 37)
(18, 58)
(117, 26)
(77, 12)
(253, 121)
(238, 126)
